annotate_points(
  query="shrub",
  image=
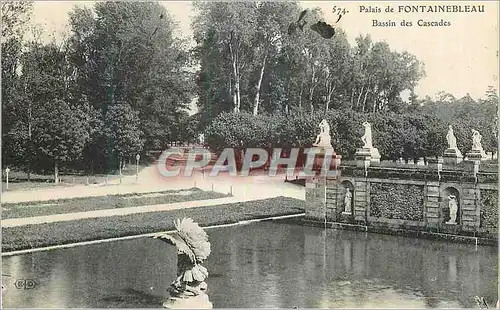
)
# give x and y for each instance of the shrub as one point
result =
(489, 209)
(410, 135)
(397, 201)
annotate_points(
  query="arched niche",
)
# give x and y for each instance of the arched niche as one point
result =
(450, 204)
(347, 197)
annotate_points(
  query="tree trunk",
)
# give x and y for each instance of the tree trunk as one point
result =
(232, 94)
(367, 90)
(236, 88)
(359, 96)
(234, 59)
(366, 96)
(300, 94)
(259, 83)
(56, 173)
(30, 144)
(237, 91)
(329, 99)
(120, 163)
(287, 98)
(29, 152)
(329, 92)
(311, 90)
(311, 105)
(352, 98)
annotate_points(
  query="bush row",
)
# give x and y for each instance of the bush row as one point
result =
(410, 135)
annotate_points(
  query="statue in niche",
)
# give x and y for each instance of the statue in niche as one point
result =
(347, 201)
(323, 139)
(192, 249)
(450, 137)
(453, 206)
(367, 137)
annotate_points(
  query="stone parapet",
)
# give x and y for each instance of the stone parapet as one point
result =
(316, 198)
(452, 156)
(195, 302)
(436, 186)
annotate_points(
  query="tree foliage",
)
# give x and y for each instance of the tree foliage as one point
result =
(250, 63)
(120, 83)
(122, 131)
(121, 73)
(408, 135)
(59, 134)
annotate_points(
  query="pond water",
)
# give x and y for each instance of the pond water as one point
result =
(267, 264)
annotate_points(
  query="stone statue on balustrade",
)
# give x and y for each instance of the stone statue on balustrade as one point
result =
(453, 206)
(188, 289)
(323, 139)
(476, 143)
(368, 149)
(452, 141)
(452, 154)
(347, 201)
(367, 137)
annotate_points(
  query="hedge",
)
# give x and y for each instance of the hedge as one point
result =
(397, 201)
(410, 135)
(489, 209)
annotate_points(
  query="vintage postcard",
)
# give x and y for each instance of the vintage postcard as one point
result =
(251, 154)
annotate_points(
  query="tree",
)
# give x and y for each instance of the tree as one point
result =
(336, 69)
(229, 27)
(122, 132)
(41, 78)
(188, 129)
(126, 53)
(464, 114)
(14, 16)
(380, 76)
(59, 134)
(273, 20)
(250, 63)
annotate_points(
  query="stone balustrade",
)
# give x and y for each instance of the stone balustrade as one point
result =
(409, 199)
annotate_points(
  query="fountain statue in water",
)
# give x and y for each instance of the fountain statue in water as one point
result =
(188, 289)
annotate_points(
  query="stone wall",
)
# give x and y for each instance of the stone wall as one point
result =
(488, 210)
(397, 201)
(316, 198)
(408, 199)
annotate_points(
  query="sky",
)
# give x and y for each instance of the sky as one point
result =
(460, 59)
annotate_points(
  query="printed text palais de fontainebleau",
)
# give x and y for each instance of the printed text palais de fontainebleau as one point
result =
(414, 10)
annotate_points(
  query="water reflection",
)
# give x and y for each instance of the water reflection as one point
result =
(264, 265)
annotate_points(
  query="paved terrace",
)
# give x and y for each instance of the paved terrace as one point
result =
(149, 180)
(243, 189)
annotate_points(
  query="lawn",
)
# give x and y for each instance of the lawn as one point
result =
(18, 180)
(30, 209)
(35, 236)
